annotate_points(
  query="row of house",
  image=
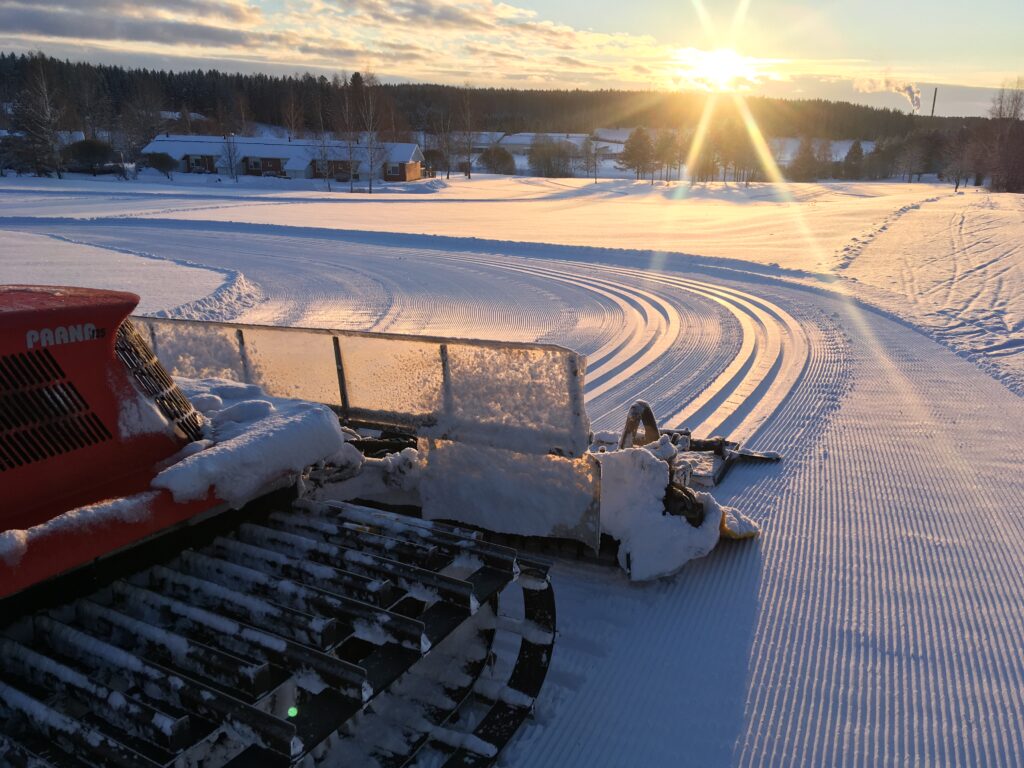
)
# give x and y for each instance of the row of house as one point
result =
(288, 158)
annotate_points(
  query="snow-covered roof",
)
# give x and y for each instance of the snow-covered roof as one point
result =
(65, 138)
(176, 115)
(297, 153)
(616, 135)
(526, 139)
(482, 138)
(786, 148)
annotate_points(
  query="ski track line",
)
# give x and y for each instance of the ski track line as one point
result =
(672, 653)
(772, 356)
(632, 366)
(899, 641)
(966, 293)
(647, 357)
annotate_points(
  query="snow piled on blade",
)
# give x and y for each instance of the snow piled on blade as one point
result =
(129, 509)
(651, 543)
(509, 492)
(256, 440)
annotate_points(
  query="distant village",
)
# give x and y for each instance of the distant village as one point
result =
(57, 116)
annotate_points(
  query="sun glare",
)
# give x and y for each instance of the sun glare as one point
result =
(719, 71)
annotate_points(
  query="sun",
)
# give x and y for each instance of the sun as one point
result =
(722, 70)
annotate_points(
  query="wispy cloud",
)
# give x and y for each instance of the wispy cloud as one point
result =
(487, 42)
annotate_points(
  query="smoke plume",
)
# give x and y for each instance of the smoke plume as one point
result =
(889, 85)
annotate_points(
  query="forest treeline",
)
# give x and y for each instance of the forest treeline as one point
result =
(97, 93)
(126, 107)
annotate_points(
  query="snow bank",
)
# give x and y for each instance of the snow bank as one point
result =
(256, 440)
(651, 543)
(54, 260)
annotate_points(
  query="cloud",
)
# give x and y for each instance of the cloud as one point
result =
(486, 42)
(49, 23)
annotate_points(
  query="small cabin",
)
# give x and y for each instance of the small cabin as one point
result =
(411, 170)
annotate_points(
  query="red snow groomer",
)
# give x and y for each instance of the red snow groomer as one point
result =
(256, 621)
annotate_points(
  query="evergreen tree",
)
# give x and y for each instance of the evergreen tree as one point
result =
(90, 154)
(853, 163)
(804, 166)
(637, 153)
(665, 151)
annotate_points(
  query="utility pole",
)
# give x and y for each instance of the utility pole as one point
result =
(935, 96)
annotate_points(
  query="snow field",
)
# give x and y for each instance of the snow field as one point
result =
(876, 621)
(956, 267)
(36, 258)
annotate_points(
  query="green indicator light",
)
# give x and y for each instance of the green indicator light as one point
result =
(293, 711)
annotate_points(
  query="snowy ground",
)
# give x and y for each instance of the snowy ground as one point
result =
(870, 332)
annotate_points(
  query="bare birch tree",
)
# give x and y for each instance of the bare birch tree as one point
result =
(229, 155)
(467, 130)
(441, 131)
(37, 117)
(376, 150)
(291, 114)
(347, 122)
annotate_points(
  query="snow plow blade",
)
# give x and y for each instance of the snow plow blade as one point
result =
(481, 410)
(498, 431)
(520, 397)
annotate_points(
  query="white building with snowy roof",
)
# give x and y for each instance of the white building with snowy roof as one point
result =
(289, 158)
(520, 143)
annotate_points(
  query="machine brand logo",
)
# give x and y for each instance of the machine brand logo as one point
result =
(63, 334)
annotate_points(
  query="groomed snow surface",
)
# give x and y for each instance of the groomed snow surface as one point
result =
(871, 333)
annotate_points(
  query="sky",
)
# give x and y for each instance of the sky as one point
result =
(879, 52)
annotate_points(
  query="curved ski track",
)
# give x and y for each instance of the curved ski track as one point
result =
(714, 358)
